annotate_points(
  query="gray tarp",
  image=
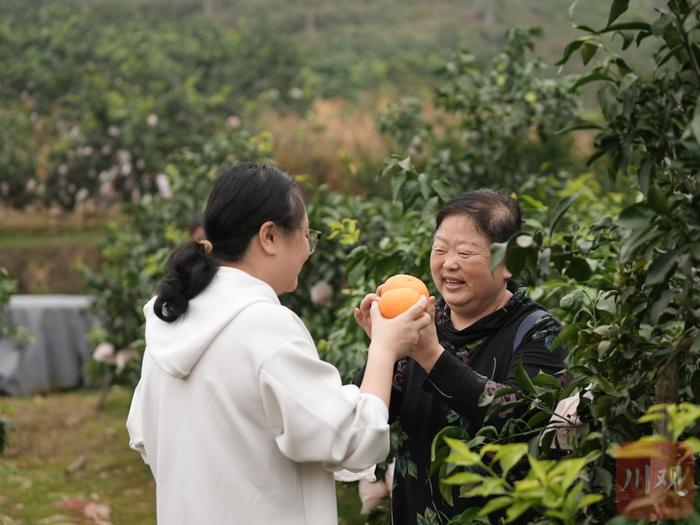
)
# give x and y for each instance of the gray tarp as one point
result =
(54, 358)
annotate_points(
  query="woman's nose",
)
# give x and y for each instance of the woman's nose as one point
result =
(450, 262)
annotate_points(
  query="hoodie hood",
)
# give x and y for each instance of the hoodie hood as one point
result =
(176, 347)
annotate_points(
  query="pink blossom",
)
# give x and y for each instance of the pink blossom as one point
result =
(123, 357)
(104, 353)
(321, 293)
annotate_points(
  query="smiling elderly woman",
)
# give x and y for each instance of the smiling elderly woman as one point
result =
(485, 324)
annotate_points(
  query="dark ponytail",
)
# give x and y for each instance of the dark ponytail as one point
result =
(242, 199)
(188, 272)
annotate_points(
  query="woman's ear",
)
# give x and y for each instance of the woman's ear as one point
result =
(267, 235)
(506, 273)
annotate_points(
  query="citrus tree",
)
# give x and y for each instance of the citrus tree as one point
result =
(496, 123)
(632, 324)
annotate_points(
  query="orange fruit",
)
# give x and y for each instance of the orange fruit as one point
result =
(397, 301)
(404, 281)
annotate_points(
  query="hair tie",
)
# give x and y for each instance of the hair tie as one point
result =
(208, 246)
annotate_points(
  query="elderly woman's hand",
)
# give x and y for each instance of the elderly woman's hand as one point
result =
(397, 337)
(428, 349)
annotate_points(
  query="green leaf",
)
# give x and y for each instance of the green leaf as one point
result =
(446, 493)
(495, 504)
(498, 254)
(627, 26)
(659, 306)
(397, 182)
(610, 106)
(646, 172)
(439, 442)
(424, 185)
(695, 123)
(568, 336)
(463, 478)
(566, 471)
(694, 444)
(579, 269)
(606, 386)
(636, 217)
(657, 200)
(628, 81)
(592, 77)
(588, 51)
(639, 241)
(569, 50)
(486, 398)
(695, 347)
(560, 210)
(509, 455)
(530, 201)
(580, 125)
(543, 379)
(443, 190)
(470, 516)
(489, 487)
(569, 506)
(516, 510)
(539, 468)
(536, 420)
(573, 300)
(661, 268)
(606, 303)
(601, 406)
(595, 157)
(604, 479)
(515, 259)
(618, 8)
(523, 380)
(461, 455)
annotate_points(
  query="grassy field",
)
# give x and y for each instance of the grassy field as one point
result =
(64, 454)
(68, 463)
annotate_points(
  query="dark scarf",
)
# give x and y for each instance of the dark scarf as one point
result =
(464, 342)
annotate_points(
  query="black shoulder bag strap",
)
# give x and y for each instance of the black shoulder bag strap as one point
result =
(525, 325)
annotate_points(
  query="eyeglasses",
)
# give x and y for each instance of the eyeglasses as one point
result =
(312, 235)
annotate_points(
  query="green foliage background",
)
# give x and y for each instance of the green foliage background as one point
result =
(95, 95)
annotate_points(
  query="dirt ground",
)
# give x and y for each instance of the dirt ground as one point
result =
(69, 464)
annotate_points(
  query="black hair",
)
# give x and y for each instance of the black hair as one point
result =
(243, 198)
(496, 214)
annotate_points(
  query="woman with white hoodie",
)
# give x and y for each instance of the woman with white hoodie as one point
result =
(235, 414)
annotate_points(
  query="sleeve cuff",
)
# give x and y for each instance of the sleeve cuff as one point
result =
(446, 371)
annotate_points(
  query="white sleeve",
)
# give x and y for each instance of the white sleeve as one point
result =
(134, 423)
(313, 417)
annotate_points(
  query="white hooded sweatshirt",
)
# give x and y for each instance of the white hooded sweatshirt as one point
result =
(238, 418)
